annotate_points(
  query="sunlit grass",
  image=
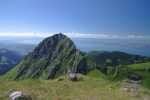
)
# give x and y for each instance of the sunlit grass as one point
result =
(87, 88)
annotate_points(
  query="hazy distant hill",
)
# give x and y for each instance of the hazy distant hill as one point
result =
(8, 59)
(115, 58)
(22, 49)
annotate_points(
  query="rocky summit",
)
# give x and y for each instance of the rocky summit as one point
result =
(54, 56)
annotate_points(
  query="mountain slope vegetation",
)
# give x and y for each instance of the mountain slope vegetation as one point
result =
(115, 58)
(54, 56)
(136, 72)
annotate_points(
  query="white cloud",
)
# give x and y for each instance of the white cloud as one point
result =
(75, 35)
(29, 34)
(137, 36)
(105, 36)
(81, 35)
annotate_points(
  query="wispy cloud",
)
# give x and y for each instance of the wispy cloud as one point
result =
(75, 35)
(81, 35)
(27, 34)
(105, 36)
(138, 37)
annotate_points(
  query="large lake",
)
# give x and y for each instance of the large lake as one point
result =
(140, 47)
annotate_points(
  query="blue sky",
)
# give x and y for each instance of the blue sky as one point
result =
(104, 18)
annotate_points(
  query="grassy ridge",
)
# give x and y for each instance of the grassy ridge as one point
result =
(97, 74)
(115, 58)
(10, 75)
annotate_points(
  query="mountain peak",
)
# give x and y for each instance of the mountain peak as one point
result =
(59, 35)
(54, 56)
(55, 43)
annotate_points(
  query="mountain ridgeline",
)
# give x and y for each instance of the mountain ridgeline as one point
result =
(54, 56)
(115, 58)
(57, 55)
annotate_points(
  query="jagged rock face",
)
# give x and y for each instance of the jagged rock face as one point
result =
(54, 56)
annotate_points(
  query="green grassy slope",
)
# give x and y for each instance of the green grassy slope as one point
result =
(87, 88)
(97, 74)
(10, 74)
(115, 58)
(8, 59)
(142, 70)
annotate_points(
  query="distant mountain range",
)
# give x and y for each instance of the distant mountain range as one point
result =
(140, 46)
(8, 60)
(22, 49)
(115, 58)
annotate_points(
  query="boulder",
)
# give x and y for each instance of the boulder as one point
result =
(134, 77)
(16, 95)
(73, 77)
